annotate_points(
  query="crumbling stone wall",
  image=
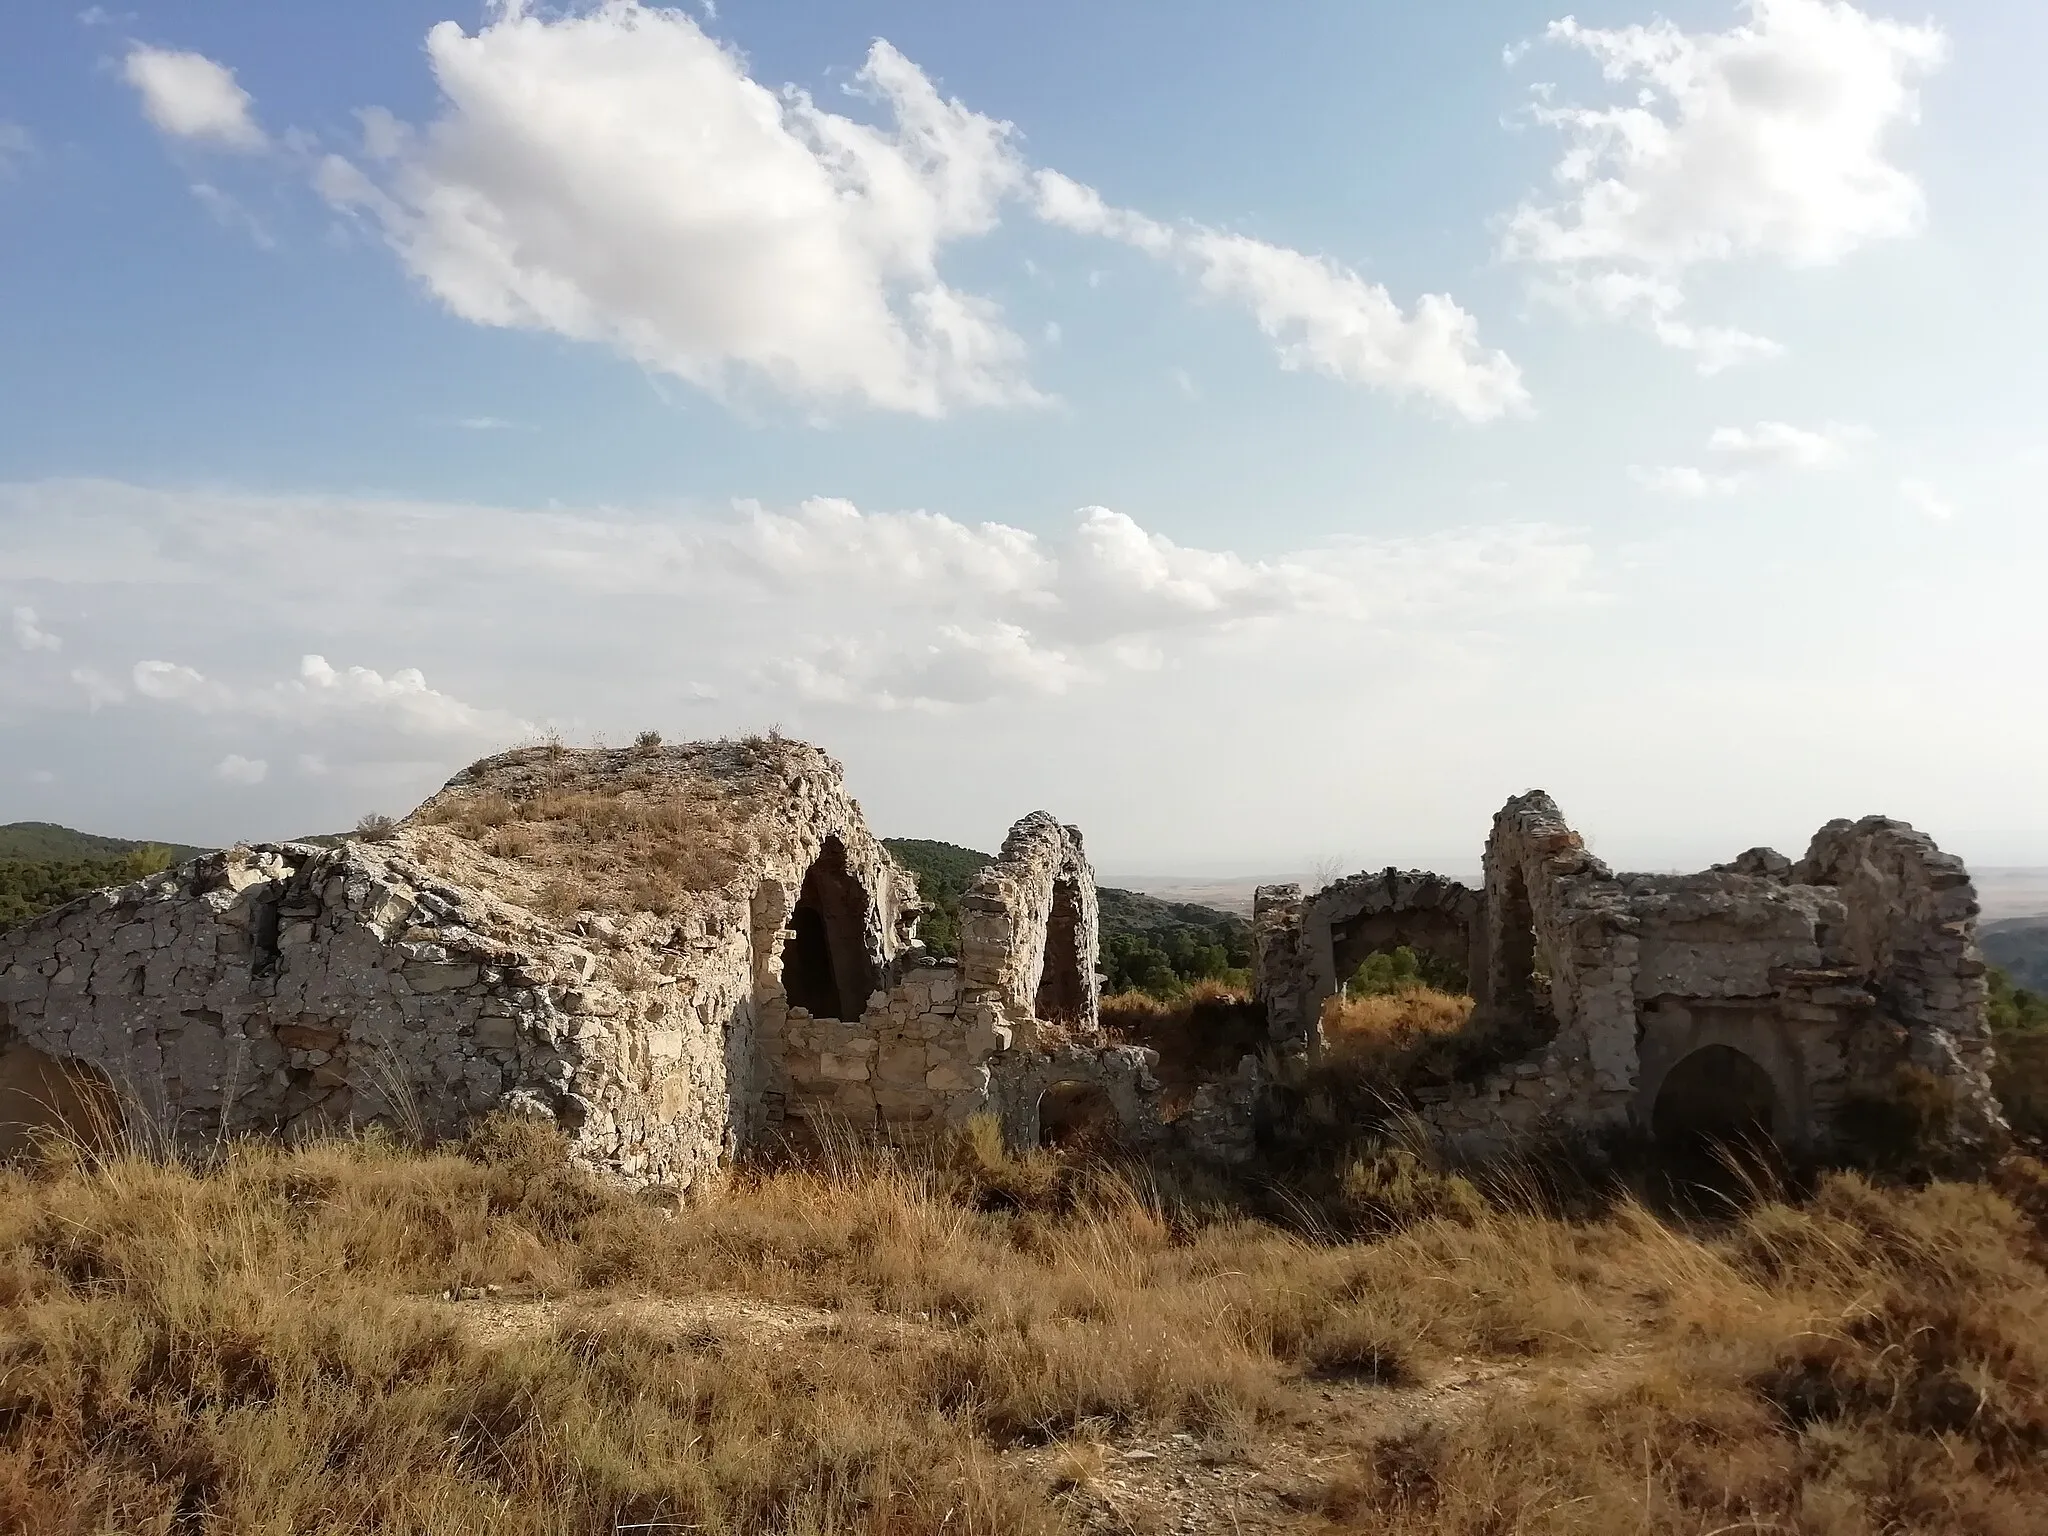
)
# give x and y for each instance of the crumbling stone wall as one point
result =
(1910, 929)
(1823, 976)
(289, 987)
(1820, 978)
(1015, 1015)
(1030, 930)
(1280, 970)
(1307, 948)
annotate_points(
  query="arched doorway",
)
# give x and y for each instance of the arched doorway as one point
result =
(1074, 1114)
(1717, 1096)
(826, 968)
(43, 1096)
(1062, 995)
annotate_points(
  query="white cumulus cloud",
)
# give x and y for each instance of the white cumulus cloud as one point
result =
(1926, 500)
(1779, 445)
(616, 176)
(30, 635)
(1747, 452)
(1320, 315)
(1768, 141)
(237, 769)
(189, 96)
(322, 694)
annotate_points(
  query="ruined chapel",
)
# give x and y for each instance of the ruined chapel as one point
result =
(680, 954)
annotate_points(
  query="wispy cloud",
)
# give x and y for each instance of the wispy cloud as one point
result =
(189, 96)
(1321, 316)
(1764, 142)
(29, 633)
(1744, 453)
(1926, 500)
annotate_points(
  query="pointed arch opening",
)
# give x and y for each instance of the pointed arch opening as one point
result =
(826, 968)
(1516, 986)
(1062, 995)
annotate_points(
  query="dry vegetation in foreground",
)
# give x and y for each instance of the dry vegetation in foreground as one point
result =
(971, 1343)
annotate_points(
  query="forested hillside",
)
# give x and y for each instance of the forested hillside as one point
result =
(43, 865)
(45, 840)
(1147, 944)
(2019, 947)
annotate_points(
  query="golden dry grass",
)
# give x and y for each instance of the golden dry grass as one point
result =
(634, 842)
(263, 1347)
(1199, 1034)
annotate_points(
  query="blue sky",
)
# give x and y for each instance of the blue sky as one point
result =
(569, 370)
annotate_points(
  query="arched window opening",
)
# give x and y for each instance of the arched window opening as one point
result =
(826, 968)
(1401, 950)
(1717, 1096)
(1515, 957)
(1062, 992)
(1076, 1114)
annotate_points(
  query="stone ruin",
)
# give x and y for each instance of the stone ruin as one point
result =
(1758, 995)
(684, 954)
(678, 954)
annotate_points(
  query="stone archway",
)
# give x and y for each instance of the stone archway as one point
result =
(1071, 1113)
(1717, 1095)
(826, 968)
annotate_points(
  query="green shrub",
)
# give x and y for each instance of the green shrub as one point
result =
(1394, 971)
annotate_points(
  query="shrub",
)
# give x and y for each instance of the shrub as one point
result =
(376, 828)
(1392, 972)
(2013, 1010)
(1901, 1127)
(2019, 1076)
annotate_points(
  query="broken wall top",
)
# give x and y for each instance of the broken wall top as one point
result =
(684, 831)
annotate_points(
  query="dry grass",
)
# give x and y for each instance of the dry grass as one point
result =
(1417, 1038)
(262, 1347)
(1200, 1035)
(630, 845)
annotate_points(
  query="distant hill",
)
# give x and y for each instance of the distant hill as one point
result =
(46, 841)
(2019, 947)
(1158, 946)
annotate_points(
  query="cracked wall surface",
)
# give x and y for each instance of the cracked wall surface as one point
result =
(990, 1033)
